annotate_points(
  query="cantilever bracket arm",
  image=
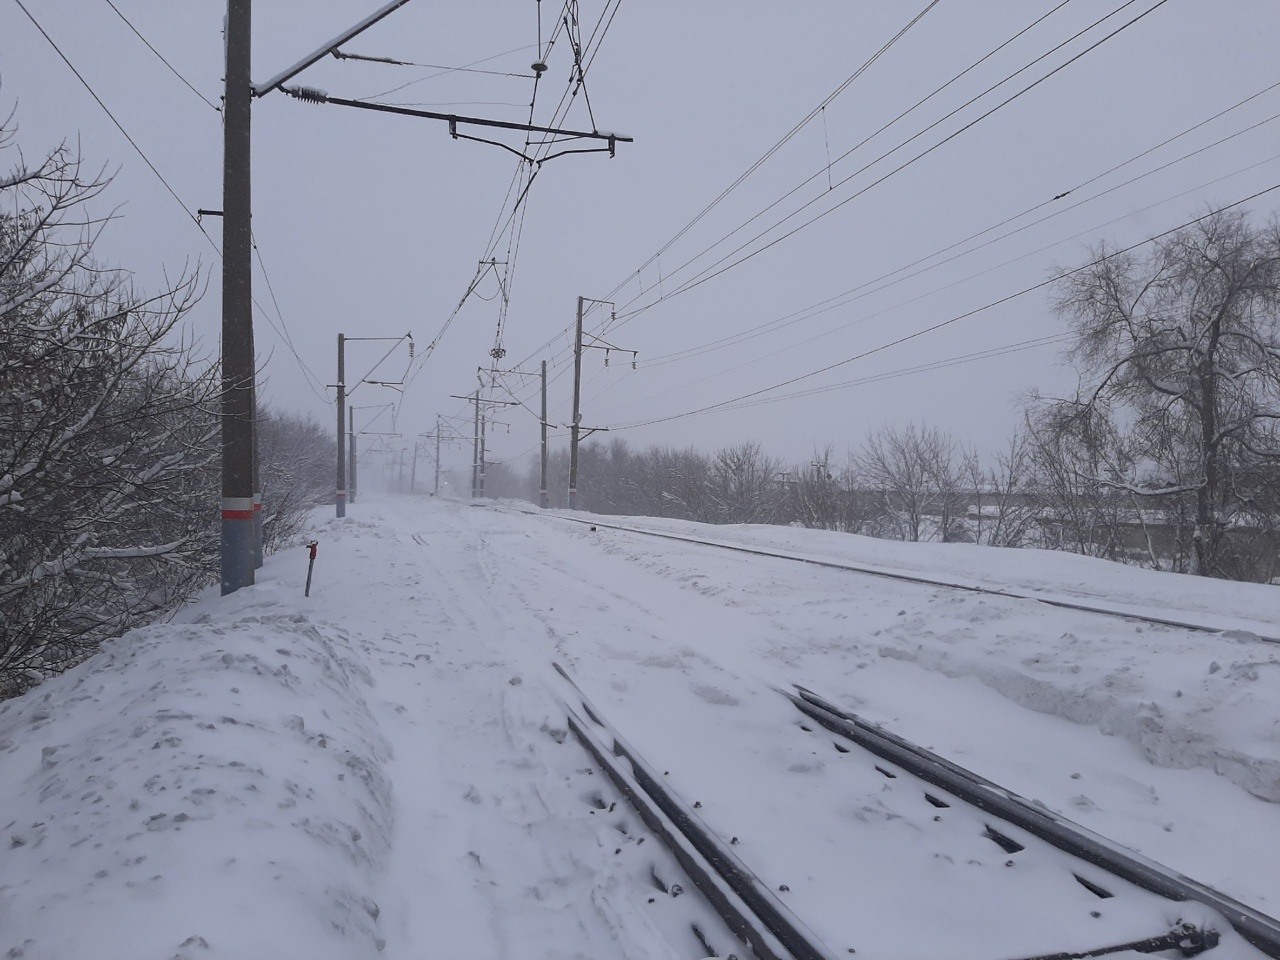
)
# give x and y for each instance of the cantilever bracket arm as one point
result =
(262, 89)
(312, 95)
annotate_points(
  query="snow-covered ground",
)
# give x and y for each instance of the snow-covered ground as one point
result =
(382, 769)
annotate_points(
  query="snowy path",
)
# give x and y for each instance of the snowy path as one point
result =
(382, 769)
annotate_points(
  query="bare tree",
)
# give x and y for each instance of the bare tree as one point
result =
(1079, 462)
(1005, 501)
(916, 471)
(295, 460)
(1178, 354)
(744, 485)
(813, 493)
(107, 434)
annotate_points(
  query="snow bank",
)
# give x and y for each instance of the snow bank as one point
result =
(1185, 699)
(228, 772)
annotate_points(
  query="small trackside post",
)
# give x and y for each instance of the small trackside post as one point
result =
(311, 564)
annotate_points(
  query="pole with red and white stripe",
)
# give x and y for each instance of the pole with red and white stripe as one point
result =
(238, 548)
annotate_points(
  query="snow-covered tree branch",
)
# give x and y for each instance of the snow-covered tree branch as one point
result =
(1178, 355)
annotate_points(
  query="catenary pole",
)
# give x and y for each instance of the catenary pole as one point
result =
(545, 500)
(257, 487)
(483, 424)
(577, 413)
(341, 497)
(435, 491)
(238, 552)
(475, 449)
(351, 455)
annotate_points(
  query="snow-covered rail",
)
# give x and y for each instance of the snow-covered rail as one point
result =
(1064, 603)
(752, 909)
(1261, 930)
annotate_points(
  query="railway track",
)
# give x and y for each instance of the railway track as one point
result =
(1048, 600)
(1180, 917)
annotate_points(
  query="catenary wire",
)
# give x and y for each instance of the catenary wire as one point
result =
(764, 158)
(125, 133)
(444, 70)
(808, 118)
(945, 323)
(960, 281)
(897, 276)
(314, 382)
(926, 367)
(282, 333)
(901, 116)
(835, 302)
(160, 56)
(720, 266)
(507, 221)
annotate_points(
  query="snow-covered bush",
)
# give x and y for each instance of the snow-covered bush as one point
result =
(107, 432)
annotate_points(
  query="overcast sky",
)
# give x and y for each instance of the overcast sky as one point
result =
(374, 225)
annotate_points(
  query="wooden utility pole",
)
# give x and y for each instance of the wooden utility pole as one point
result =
(239, 551)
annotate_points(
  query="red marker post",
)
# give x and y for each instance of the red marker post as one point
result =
(311, 564)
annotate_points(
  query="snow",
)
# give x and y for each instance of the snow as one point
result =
(383, 769)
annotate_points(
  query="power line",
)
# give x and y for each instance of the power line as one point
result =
(341, 55)
(909, 110)
(507, 225)
(764, 158)
(861, 290)
(821, 107)
(720, 266)
(105, 109)
(927, 367)
(945, 323)
(159, 55)
(800, 314)
(852, 295)
(314, 382)
(282, 333)
(442, 71)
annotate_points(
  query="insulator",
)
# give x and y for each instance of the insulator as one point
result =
(309, 94)
(410, 349)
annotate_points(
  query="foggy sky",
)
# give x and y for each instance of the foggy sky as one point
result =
(372, 225)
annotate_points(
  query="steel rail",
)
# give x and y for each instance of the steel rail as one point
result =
(1259, 929)
(915, 578)
(754, 914)
(746, 904)
(736, 915)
